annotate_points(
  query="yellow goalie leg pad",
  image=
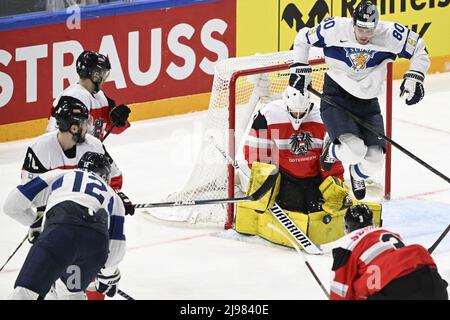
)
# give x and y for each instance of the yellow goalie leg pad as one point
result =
(260, 173)
(321, 227)
(249, 221)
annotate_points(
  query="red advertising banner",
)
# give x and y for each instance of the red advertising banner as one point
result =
(154, 55)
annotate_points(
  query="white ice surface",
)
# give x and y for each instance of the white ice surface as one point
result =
(166, 261)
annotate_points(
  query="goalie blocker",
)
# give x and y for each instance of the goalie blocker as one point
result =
(327, 225)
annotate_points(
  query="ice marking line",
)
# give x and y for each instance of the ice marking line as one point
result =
(173, 240)
(422, 194)
(421, 125)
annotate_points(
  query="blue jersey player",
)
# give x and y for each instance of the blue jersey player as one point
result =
(357, 51)
(83, 234)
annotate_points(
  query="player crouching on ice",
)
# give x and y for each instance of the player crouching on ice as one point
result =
(83, 235)
(374, 263)
(288, 133)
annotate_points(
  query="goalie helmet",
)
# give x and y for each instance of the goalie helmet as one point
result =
(94, 66)
(97, 163)
(70, 111)
(357, 217)
(366, 15)
(297, 105)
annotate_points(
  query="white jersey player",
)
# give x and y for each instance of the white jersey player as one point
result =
(62, 149)
(83, 235)
(93, 69)
(357, 51)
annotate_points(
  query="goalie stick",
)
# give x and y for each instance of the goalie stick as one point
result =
(258, 194)
(278, 213)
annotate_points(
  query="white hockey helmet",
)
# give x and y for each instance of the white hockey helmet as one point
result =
(297, 105)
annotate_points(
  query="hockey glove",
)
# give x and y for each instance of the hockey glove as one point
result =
(413, 85)
(300, 77)
(119, 115)
(36, 227)
(129, 207)
(107, 284)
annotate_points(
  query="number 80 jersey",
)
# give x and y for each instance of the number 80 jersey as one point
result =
(361, 69)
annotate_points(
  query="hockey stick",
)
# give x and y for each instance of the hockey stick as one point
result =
(109, 131)
(278, 212)
(378, 134)
(124, 295)
(302, 254)
(436, 243)
(258, 194)
(26, 237)
(18, 247)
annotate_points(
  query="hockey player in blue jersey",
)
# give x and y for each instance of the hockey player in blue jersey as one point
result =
(83, 235)
(357, 51)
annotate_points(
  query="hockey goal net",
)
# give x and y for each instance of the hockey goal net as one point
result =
(240, 88)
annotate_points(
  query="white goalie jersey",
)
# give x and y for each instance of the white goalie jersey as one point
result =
(361, 69)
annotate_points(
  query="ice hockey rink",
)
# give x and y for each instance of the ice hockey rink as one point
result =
(183, 261)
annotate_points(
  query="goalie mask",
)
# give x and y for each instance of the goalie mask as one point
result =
(97, 163)
(297, 106)
(357, 217)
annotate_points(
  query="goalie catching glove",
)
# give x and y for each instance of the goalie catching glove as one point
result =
(412, 85)
(335, 194)
(107, 285)
(300, 76)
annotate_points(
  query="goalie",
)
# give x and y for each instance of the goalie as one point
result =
(288, 133)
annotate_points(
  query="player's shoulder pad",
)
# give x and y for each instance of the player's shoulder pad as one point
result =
(40, 151)
(340, 257)
(96, 144)
(77, 91)
(394, 35)
(32, 163)
(104, 100)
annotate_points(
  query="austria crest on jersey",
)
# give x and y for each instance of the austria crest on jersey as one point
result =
(359, 57)
(301, 143)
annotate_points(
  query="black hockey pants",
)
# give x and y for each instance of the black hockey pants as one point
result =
(300, 194)
(422, 284)
(73, 246)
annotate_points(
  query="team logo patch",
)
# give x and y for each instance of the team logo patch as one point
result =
(301, 143)
(359, 57)
(412, 42)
